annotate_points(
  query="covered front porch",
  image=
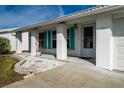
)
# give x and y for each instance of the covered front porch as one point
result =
(36, 44)
(87, 37)
(62, 40)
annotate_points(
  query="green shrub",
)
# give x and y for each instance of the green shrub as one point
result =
(4, 45)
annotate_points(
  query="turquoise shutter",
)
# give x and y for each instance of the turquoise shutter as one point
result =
(49, 39)
(45, 40)
(72, 38)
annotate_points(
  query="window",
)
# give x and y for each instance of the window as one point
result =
(71, 38)
(41, 40)
(47, 39)
(88, 37)
(54, 39)
(68, 38)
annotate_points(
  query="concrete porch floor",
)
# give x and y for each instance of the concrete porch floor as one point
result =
(76, 72)
(51, 56)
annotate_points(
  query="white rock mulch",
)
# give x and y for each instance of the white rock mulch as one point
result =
(37, 65)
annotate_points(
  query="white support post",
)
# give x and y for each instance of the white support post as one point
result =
(104, 42)
(18, 42)
(34, 43)
(61, 42)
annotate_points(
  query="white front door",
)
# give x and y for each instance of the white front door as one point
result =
(88, 41)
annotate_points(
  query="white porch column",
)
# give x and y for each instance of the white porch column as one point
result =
(18, 42)
(61, 42)
(104, 42)
(34, 43)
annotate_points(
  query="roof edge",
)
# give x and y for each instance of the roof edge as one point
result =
(81, 13)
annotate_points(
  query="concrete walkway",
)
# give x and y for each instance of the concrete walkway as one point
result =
(76, 73)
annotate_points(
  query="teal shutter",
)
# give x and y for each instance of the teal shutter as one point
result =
(45, 40)
(49, 39)
(72, 38)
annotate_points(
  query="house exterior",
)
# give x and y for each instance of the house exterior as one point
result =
(7, 33)
(93, 33)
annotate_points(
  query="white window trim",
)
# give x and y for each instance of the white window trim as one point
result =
(94, 33)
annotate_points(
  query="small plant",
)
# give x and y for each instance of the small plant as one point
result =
(4, 45)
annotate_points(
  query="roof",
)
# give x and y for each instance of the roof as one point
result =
(7, 30)
(82, 13)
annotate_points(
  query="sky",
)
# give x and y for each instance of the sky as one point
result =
(12, 16)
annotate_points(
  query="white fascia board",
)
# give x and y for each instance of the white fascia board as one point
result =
(8, 30)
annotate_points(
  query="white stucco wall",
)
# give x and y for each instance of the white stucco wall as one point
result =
(11, 38)
(61, 39)
(25, 41)
(118, 43)
(49, 51)
(19, 42)
(34, 43)
(104, 42)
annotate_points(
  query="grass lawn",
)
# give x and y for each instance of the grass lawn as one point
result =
(7, 73)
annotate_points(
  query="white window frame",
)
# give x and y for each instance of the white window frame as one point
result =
(41, 40)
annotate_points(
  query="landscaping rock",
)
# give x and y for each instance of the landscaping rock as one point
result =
(36, 65)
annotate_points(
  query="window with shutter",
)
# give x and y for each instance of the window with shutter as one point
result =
(71, 38)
